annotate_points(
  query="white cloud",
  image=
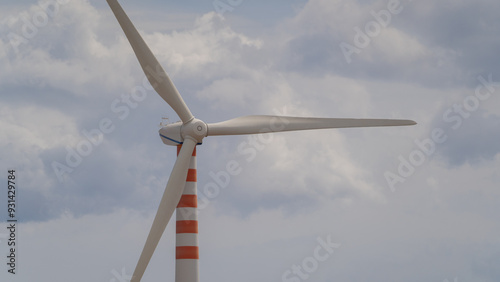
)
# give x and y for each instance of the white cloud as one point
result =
(32, 126)
(209, 43)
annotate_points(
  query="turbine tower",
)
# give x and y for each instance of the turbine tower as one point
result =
(180, 192)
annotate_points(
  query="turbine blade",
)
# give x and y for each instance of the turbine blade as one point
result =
(266, 124)
(169, 201)
(150, 65)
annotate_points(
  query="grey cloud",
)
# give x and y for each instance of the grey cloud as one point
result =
(458, 39)
(470, 28)
(476, 140)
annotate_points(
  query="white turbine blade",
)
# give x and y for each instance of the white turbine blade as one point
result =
(265, 124)
(169, 201)
(150, 65)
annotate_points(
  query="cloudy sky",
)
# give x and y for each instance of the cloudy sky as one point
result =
(417, 203)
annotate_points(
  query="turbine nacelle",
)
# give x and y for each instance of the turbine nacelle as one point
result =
(175, 133)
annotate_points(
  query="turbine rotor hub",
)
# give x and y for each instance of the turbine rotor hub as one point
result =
(195, 128)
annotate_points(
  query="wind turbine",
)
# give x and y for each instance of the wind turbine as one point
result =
(180, 192)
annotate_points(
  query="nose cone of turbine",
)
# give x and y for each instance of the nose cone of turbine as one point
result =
(195, 129)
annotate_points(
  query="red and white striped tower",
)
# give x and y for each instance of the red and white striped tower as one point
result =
(187, 252)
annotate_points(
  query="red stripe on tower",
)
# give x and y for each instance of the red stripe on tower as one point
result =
(191, 176)
(187, 252)
(187, 226)
(188, 201)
